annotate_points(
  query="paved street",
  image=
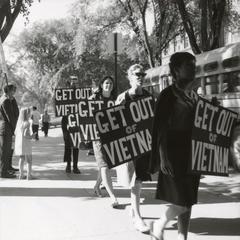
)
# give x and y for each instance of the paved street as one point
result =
(60, 206)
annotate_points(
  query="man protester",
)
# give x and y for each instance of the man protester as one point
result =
(36, 116)
(8, 118)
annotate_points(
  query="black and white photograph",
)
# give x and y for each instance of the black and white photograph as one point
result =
(120, 119)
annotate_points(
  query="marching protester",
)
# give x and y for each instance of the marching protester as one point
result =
(70, 153)
(45, 122)
(35, 116)
(8, 119)
(23, 145)
(105, 91)
(171, 147)
(133, 173)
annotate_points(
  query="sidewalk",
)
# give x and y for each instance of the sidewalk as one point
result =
(60, 206)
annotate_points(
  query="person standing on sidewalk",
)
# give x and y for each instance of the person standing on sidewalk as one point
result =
(23, 145)
(133, 173)
(70, 153)
(35, 116)
(45, 122)
(14, 104)
(106, 92)
(171, 147)
(8, 119)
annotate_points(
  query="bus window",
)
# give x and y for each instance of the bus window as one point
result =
(212, 85)
(231, 82)
(231, 62)
(209, 67)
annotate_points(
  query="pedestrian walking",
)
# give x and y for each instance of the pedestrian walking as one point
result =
(23, 145)
(134, 172)
(171, 147)
(35, 116)
(8, 119)
(106, 91)
(45, 118)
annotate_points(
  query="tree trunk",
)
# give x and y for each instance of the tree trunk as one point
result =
(204, 25)
(217, 19)
(188, 26)
(9, 17)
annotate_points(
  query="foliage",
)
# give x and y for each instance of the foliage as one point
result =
(205, 20)
(9, 11)
(45, 58)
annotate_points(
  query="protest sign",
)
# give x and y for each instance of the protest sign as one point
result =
(81, 125)
(125, 130)
(67, 100)
(75, 103)
(211, 137)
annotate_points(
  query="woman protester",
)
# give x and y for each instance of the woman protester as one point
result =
(105, 92)
(133, 173)
(171, 147)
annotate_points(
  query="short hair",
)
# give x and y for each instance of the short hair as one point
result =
(134, 67)
(34, 108)
(9, 87)
(177, 59)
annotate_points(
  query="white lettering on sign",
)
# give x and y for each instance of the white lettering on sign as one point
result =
(83, 93)
(205, 121)
(217, 157)
(63, 94)
(120, 149)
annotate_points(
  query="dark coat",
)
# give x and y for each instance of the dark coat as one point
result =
(163, 108)
(8, 115)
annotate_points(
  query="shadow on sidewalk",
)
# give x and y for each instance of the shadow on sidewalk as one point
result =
(215, 226)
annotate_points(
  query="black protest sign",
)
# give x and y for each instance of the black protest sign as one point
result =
(211, 136)
(125, 130)
(81, 125)
(67, 100)
(76, 104)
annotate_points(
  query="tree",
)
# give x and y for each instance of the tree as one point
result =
(9, 11)
(211, 16)
(45, 58)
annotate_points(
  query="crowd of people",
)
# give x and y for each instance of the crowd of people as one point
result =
(17, 129)
(171, 145)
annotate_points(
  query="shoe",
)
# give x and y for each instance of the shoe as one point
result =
(115, 204)
(9, 175)
(97, 192)
(141, 226)
(76, 170)
(153, 234)
(68, 169)
(13, 169)
(21, 177)
(31, 177)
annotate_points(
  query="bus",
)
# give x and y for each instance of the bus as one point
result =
(217, 76)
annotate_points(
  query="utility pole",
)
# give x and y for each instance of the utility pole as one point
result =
(115, 59)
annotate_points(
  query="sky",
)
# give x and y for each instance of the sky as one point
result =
(43, 10)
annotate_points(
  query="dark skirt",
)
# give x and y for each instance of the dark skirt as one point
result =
(181, 188)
